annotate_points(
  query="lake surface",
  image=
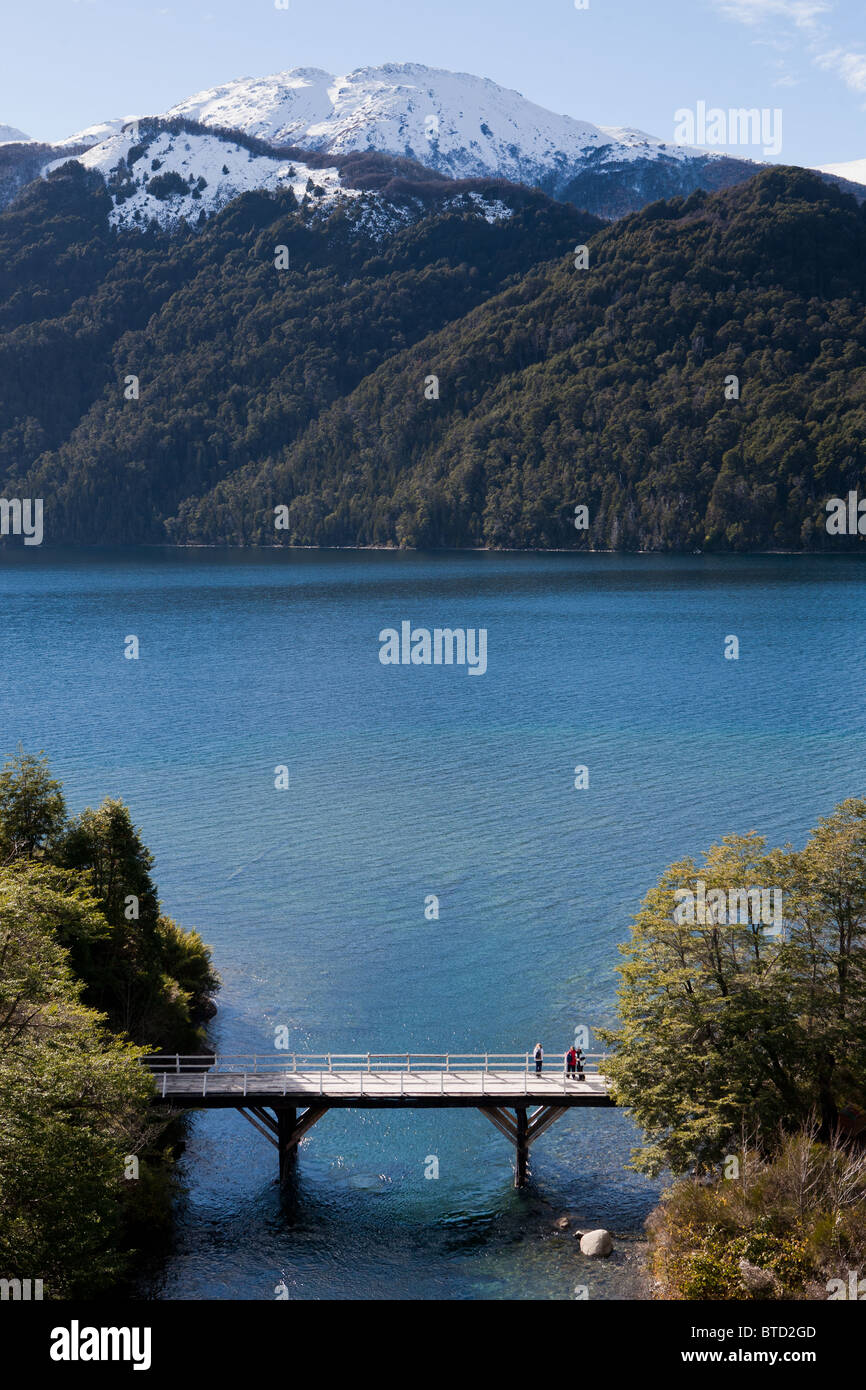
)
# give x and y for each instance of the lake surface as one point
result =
(409, 781)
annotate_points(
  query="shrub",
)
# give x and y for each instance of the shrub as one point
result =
(800, 1217)
(167, 185)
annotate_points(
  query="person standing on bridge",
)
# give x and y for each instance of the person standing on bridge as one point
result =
(580, 1063)
(571, 1062)
(538, 1054)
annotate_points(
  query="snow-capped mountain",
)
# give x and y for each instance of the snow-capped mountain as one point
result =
(854, 170)
(10, 135)
(464, 126)
(95, 134)
(165, 177)
(459, 125)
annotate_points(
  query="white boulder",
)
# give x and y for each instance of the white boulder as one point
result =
(596, 1243)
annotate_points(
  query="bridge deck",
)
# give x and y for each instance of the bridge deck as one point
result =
(379, 1089)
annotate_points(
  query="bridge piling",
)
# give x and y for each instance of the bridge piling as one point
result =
(521, 1143)
(287, 1147)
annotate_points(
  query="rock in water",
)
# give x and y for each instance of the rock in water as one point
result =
(596, 1243)
(562, 1223)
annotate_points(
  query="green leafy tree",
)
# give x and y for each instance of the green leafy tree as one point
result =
(825, 964)
(73, 1104)
(107, 844)
(74, 1099)
(32, 809)
(152, 978)
(723, 1023)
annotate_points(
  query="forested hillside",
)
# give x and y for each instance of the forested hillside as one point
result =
(606, 388)
(308, 388)
(233, 357)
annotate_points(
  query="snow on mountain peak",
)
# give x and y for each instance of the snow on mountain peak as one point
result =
(11, 135)
(459, 124)
(95, 134)
(462, 126)
(163, 175)
(854, 170)
(181, 176)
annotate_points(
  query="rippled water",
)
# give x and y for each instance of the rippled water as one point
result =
(410, 781)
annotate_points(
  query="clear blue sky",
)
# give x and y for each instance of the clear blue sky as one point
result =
(66, 64)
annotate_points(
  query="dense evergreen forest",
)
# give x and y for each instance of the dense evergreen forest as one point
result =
(699, 385)
(92, 976)
(234, 357)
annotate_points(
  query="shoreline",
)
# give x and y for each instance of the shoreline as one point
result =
(181, 546)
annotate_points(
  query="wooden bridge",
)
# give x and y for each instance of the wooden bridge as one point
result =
(283, 1098)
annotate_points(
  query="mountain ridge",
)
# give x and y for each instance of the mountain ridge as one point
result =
(462, 125)
(218, 331)
(456, 125)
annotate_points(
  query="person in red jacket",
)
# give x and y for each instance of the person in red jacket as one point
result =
(571, 1062)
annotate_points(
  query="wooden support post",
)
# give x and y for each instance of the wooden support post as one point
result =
(286, 1119)
(291, 1130)
(521, 1143)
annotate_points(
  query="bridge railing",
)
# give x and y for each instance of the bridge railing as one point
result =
(258, 1064)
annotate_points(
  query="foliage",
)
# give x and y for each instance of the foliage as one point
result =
(800, 1217)
(235, 359)
(32, 809)
(74, 1099)
(723, 1022)
(150, 977)
(73, 1104)
(167, 185)
(91, 878)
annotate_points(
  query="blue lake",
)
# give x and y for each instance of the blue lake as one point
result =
(407, 781)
